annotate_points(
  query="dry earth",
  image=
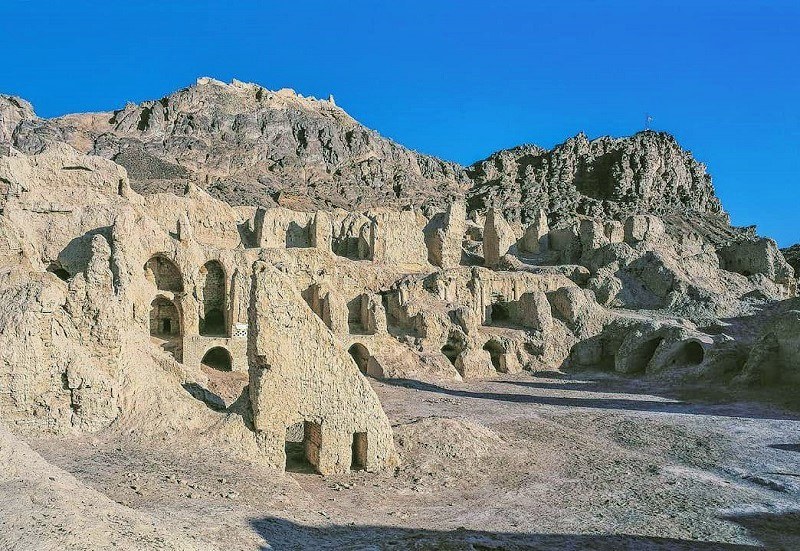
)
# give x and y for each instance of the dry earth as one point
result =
(589, 461)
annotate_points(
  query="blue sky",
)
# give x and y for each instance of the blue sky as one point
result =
(458, 79)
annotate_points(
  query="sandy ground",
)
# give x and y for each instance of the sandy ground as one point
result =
(589, 461)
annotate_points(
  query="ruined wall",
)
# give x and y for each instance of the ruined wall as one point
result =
(300, 372)
(398, 237)
(280, 227)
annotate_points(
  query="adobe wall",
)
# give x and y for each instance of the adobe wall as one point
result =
(300, 372)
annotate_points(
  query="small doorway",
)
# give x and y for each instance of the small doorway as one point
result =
(359, 460)
(303, 443)
(496, 353)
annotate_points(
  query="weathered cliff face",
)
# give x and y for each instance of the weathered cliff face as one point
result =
(13, 111)
(792, 255)
(251, 146)
(607, 177)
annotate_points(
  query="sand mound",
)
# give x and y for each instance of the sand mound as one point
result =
(43, 507)
(443, 439)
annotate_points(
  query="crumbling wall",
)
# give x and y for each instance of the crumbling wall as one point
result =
(499, 238)
(444, 235)
(280, 227)
(300, 372)
(351, 235)
(760, 256)
(398, 237)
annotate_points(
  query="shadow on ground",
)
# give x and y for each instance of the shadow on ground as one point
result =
(786, 447)
(775, 531)
(604, 385)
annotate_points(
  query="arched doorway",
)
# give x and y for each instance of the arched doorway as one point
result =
(688, 354)
(165, 321)
(496, 352)
(640, 358)
(361, 356)
(213, 305)
(164, 273)
(166, 326)
(218, 358)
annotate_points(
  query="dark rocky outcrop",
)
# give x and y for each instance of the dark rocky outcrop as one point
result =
(607, 177)
(792, 256)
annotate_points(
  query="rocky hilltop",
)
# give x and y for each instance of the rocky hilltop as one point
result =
(247, 145)
(648, 172)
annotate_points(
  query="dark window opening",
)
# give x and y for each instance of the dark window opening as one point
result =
(213, 324)
(303, 442)
(214, 303)
(218, 358)
(360, 356)
(500, 312)
(59, 272)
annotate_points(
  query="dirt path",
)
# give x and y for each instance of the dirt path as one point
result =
(591, 462)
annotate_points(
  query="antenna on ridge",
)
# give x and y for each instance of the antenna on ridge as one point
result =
(647, 120)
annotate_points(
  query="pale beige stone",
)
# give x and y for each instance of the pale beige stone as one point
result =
(498, 237)
(300, 373)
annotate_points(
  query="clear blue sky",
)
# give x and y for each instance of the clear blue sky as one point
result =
(458, 79)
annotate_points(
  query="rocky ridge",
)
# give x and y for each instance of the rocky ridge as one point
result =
(247, 145)
(607, 177)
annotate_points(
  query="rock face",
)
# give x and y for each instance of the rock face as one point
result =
(792, 256)
(13, 111)
(775, 357)
(607, 177)
(247, 146)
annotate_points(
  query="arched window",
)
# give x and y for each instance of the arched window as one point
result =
(218, 358)
(164, 273)
(213, 306)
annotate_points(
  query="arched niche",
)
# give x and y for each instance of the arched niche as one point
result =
(218, 358)
(213, 307)
(164, 273)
